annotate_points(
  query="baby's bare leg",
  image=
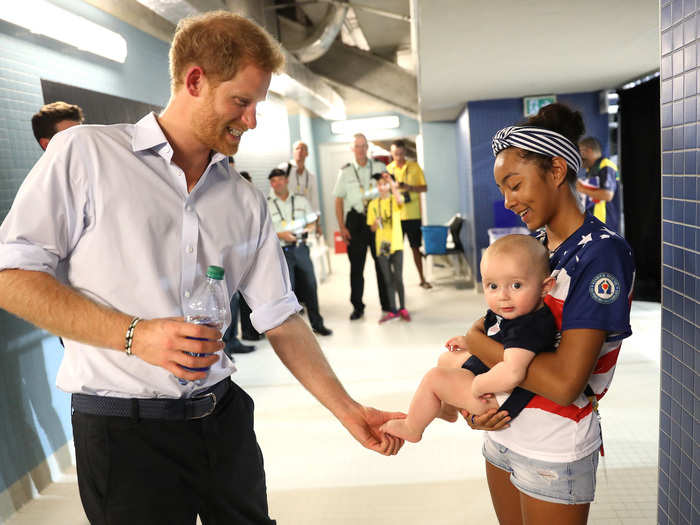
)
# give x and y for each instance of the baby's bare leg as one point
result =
(506, 375)
(451, 360)
(451, 385)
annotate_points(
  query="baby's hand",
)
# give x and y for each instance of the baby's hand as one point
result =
(456, 344)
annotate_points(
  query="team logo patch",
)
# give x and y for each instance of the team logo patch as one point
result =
(604, 288)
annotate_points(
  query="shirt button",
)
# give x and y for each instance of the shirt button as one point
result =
(187, 293)
(189, 248)
(188, 207)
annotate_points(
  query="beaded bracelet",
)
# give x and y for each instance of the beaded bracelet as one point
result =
(130, 335)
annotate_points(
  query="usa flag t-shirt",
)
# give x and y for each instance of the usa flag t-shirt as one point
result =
(594, 270)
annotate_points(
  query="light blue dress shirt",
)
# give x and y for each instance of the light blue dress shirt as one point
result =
(109, 205)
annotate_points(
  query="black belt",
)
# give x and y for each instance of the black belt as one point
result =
(199, 406)
(292, 246)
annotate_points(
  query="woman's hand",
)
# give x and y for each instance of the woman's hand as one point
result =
(490, 420)
(455, 344)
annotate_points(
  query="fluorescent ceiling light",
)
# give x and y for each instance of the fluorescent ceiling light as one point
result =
(44, 18)
(363, 125)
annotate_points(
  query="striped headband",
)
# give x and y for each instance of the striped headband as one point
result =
(538, 140)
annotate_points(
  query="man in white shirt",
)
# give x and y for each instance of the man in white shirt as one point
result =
(288, 209)
(301, 180)
(138, 212)
(353, 190)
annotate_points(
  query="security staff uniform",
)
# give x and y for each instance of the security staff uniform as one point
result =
(353, 180)
(603, 175)
(302, 183)
(301, 269)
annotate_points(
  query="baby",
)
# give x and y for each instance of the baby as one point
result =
(515, 274)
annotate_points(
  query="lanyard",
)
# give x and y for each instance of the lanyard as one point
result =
(274, 201)
(386, 218)
(306, 177)
(357, 176)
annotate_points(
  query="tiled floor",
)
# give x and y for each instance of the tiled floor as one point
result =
(317, 474)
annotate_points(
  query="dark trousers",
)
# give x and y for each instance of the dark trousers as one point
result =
(237, 305)
(392, 271)
(152, 471)
(303, 279)
(361, 238)
(247, 328)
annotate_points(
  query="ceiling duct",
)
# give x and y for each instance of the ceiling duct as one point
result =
(316, 45)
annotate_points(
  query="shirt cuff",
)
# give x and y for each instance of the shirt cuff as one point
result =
(17, 256)
(271, 315)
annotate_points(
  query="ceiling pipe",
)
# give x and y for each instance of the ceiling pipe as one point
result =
(324, 35)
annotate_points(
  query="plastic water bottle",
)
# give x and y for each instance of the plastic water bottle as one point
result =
(209, 306)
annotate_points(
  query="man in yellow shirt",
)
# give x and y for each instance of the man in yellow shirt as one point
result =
(412, 183)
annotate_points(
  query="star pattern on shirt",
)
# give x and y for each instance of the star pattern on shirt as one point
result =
(612, 233)
(585, 239)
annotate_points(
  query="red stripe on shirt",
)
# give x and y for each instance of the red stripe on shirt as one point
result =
(571, 412)
(607, 362)
(557, 308)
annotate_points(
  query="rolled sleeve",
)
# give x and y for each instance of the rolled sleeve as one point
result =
(22, 255)
(271, 315)
(266, 286)
(47, 216)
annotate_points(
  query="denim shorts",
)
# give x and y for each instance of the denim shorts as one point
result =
(567, 483)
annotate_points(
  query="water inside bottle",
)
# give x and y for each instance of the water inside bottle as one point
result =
(205, 320)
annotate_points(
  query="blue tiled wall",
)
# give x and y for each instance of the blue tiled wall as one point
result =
(486, 118)
(679, 453)
(34, 414)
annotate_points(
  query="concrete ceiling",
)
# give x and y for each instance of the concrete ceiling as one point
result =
(471, 50)
(467, 49)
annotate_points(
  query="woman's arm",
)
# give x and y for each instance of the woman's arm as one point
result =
(559, 376)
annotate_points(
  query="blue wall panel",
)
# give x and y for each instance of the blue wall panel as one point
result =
(34, 414)
(679, 457)
(485, 119)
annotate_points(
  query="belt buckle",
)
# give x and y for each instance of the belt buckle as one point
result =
(213, 406)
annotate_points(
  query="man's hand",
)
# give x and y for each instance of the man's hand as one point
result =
(364, 422)
(287, 236)
(163, 343)
(455, 344)
(345, 233)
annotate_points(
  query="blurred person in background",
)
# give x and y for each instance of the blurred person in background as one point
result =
(351, 188)
(600, 185)
(55, 117)
(412, 183)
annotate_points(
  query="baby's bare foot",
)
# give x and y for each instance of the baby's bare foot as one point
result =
(400, 429)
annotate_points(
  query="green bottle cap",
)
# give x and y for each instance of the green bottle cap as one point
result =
(215, 272)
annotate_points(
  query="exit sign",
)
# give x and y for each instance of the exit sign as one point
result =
(531, 105)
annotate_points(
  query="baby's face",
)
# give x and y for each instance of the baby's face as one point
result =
(512, 287)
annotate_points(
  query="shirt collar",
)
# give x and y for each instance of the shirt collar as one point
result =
(149, 135)
(367, 164)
